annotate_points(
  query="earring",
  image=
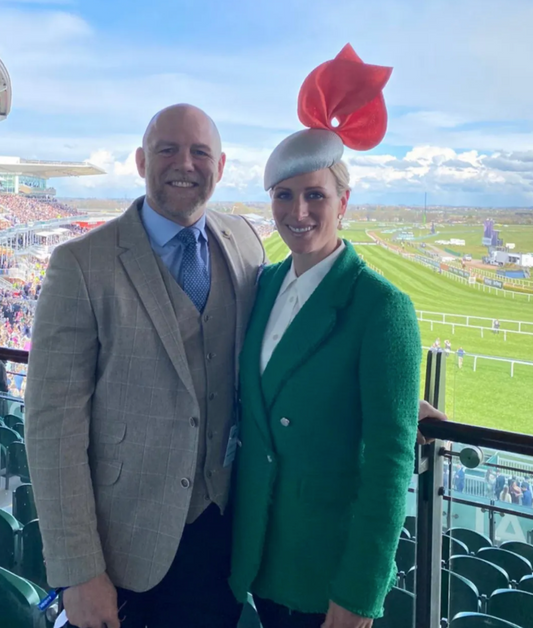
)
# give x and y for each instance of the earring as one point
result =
(339, 224)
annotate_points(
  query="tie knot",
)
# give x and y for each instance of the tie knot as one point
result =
(187, 236)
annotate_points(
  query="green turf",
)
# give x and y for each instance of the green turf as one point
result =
(489, 396)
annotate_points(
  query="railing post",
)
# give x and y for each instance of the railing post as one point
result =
(429, 515)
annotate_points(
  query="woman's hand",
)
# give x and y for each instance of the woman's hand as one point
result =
(339, 617)
(425, 410)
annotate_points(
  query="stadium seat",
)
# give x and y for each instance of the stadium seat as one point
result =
(512, 605)
(473, 540)
(458, 594)
(405, 534)
(17, 463)
(399, 610)
(32, 559)
(8, 436)
(249, 617)
(19, 429)
(11, 420)
(452, 547)
(477, 620)
(9, 535)
(18, 603)
(526, 584)
(410, 526)
(520, 548)
(24, 504)
(405, 556)
(515, 566)
(17, 410)
(484, 575)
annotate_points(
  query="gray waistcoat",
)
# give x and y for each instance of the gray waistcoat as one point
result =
(209, 340)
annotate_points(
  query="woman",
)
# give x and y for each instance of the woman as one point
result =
(330, 367)
(515, 492)
(505, 496)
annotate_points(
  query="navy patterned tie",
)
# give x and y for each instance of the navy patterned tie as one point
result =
(194, 273)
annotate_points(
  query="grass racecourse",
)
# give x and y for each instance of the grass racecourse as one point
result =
(488, 396)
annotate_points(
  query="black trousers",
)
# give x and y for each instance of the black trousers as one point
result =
(195, 592)
(274, 615)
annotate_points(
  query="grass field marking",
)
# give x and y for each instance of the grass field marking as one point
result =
(443, 320)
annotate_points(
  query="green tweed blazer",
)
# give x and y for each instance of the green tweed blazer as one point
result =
(327, 443)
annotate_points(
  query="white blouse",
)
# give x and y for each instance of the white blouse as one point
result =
(292, 296)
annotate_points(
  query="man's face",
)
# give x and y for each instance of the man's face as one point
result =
(182, 162)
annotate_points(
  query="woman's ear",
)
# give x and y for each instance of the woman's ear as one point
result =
(344, 201)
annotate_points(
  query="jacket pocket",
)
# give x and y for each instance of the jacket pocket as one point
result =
(106, 472)
(110, 432)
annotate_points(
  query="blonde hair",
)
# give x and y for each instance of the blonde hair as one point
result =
(342, 177)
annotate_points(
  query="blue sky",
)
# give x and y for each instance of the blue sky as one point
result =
(88, 75)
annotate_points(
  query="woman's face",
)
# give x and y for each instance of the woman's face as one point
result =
(306, 209)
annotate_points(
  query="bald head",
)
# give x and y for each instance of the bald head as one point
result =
(182, 161)
(178, 115)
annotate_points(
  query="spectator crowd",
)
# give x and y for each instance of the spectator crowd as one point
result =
(16, 210)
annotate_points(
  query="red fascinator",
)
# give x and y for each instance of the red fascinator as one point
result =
(341, 102)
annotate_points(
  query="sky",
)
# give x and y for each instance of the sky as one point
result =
(88, 75)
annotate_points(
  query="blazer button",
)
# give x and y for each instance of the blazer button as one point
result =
(210, 356)
(285, 422)
(193, 421)
(185, 482)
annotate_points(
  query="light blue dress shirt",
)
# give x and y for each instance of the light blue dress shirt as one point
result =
(162, 234)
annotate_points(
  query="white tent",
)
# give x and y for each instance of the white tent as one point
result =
(5, 92)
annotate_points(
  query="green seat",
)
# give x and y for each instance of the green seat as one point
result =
(18, 603)
(11, 419)
(520, 548)
(8, 436)
(477, 620)
(24, 509)
(32, 560)
(484, 575)
(9, 535)
(405, 534)
(458, 595)
(405, 555)
(17, 463)
(453, 547)
(512, 605)
(19, 429)
(473, 540)
(526, 584)
(410, 525)
(17, 409)
(399, 610)
(515, 566)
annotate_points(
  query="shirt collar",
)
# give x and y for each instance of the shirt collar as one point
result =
(161, 230)
(307, 283)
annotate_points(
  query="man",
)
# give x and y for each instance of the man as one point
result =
(130, 400)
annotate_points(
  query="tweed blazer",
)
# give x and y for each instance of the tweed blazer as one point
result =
(110, 398)
(328, 439)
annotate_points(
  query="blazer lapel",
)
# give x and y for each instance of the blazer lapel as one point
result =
(231, 252)
(313, 323)
(251, 381)
(142, 268)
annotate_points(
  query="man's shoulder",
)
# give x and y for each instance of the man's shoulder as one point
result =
(238, 225)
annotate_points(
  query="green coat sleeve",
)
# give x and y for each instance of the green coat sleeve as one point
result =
(389, 380)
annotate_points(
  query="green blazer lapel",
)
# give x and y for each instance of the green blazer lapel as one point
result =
(250, 369)
(313, 323)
